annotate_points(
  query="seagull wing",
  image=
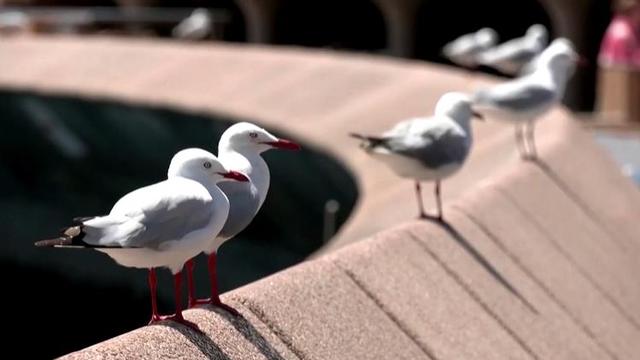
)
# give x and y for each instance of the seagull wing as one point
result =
(149, 216)
(433, 142)
(516, 96)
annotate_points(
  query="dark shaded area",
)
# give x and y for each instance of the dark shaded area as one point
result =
(439, 22)
(581, 90)
(352, 25)
(477, 256)
(62, 157)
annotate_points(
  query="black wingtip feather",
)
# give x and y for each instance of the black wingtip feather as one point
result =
(69, 236)
(61, 241)
(368, 142)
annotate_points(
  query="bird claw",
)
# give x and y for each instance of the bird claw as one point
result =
(226, 307)
(437, 218)
(195, 302)
(175, 318)
(214, 303)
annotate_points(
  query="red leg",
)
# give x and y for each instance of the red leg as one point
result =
(177, 317)
(421, 213)
(438, 200)
(153, 287)
(215, 294)
(190, 286)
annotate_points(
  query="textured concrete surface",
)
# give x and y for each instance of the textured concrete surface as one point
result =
(537, 260)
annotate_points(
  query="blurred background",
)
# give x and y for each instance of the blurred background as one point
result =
(58, 160)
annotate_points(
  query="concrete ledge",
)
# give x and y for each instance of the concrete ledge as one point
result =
(537, 262)
(522, 270)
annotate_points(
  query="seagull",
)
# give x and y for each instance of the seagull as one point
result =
(427, 148)
(239, 149)
(160, 225)
(196, 26)
(512, 56)
(524, 99)
(464, 50)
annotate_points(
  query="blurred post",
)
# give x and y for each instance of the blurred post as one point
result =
(260, 19)
(400, 18)
(618, 92)
(331, 209)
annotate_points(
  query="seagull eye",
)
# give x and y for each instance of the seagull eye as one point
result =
(207, 165)
(253, 135)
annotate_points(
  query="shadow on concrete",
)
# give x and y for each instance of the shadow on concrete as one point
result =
(566, 189)
(526, 213)
(251, 334)
(466, 245)
(472, 293)
(496, 240)
(209, 348)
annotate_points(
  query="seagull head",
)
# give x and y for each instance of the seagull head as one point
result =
(457, 106)
(202, 166)
(560, 58)
(486, 37)
(246, 137)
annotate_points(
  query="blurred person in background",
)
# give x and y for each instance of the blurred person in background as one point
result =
(621, 43)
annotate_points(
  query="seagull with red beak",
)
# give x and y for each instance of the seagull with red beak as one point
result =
(161, 225)
(239, 149)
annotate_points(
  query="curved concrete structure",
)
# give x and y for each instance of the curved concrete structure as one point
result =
(316, 96)
(538, 260)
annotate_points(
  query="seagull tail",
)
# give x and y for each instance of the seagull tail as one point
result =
(368, 142)
(69, 236)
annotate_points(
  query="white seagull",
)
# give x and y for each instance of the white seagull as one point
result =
(524, 99)
(196, 26)
(512, 56)
(160, 225)
(427, 148)
(239, 149)
(464, 50)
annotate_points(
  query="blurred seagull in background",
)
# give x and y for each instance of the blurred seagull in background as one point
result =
(427, 148)
(512, 56)
(196, 26)
(464, 50)
(160, 225)
(239, 149)
(525, 99)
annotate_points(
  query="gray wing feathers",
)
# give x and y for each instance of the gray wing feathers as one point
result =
(171, 222)
(525, 98)
(150, 216)
(435, 150)
(244, 203)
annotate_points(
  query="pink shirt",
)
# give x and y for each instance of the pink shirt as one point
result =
(621, 44)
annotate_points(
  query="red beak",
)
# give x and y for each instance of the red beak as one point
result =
(235, 175)
(283, 144)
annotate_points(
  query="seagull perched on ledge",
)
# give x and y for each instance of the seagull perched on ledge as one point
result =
(160, 225)
(464, 50)
(512, 56)
(239, 149)
(428, 148)
(523, 100)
